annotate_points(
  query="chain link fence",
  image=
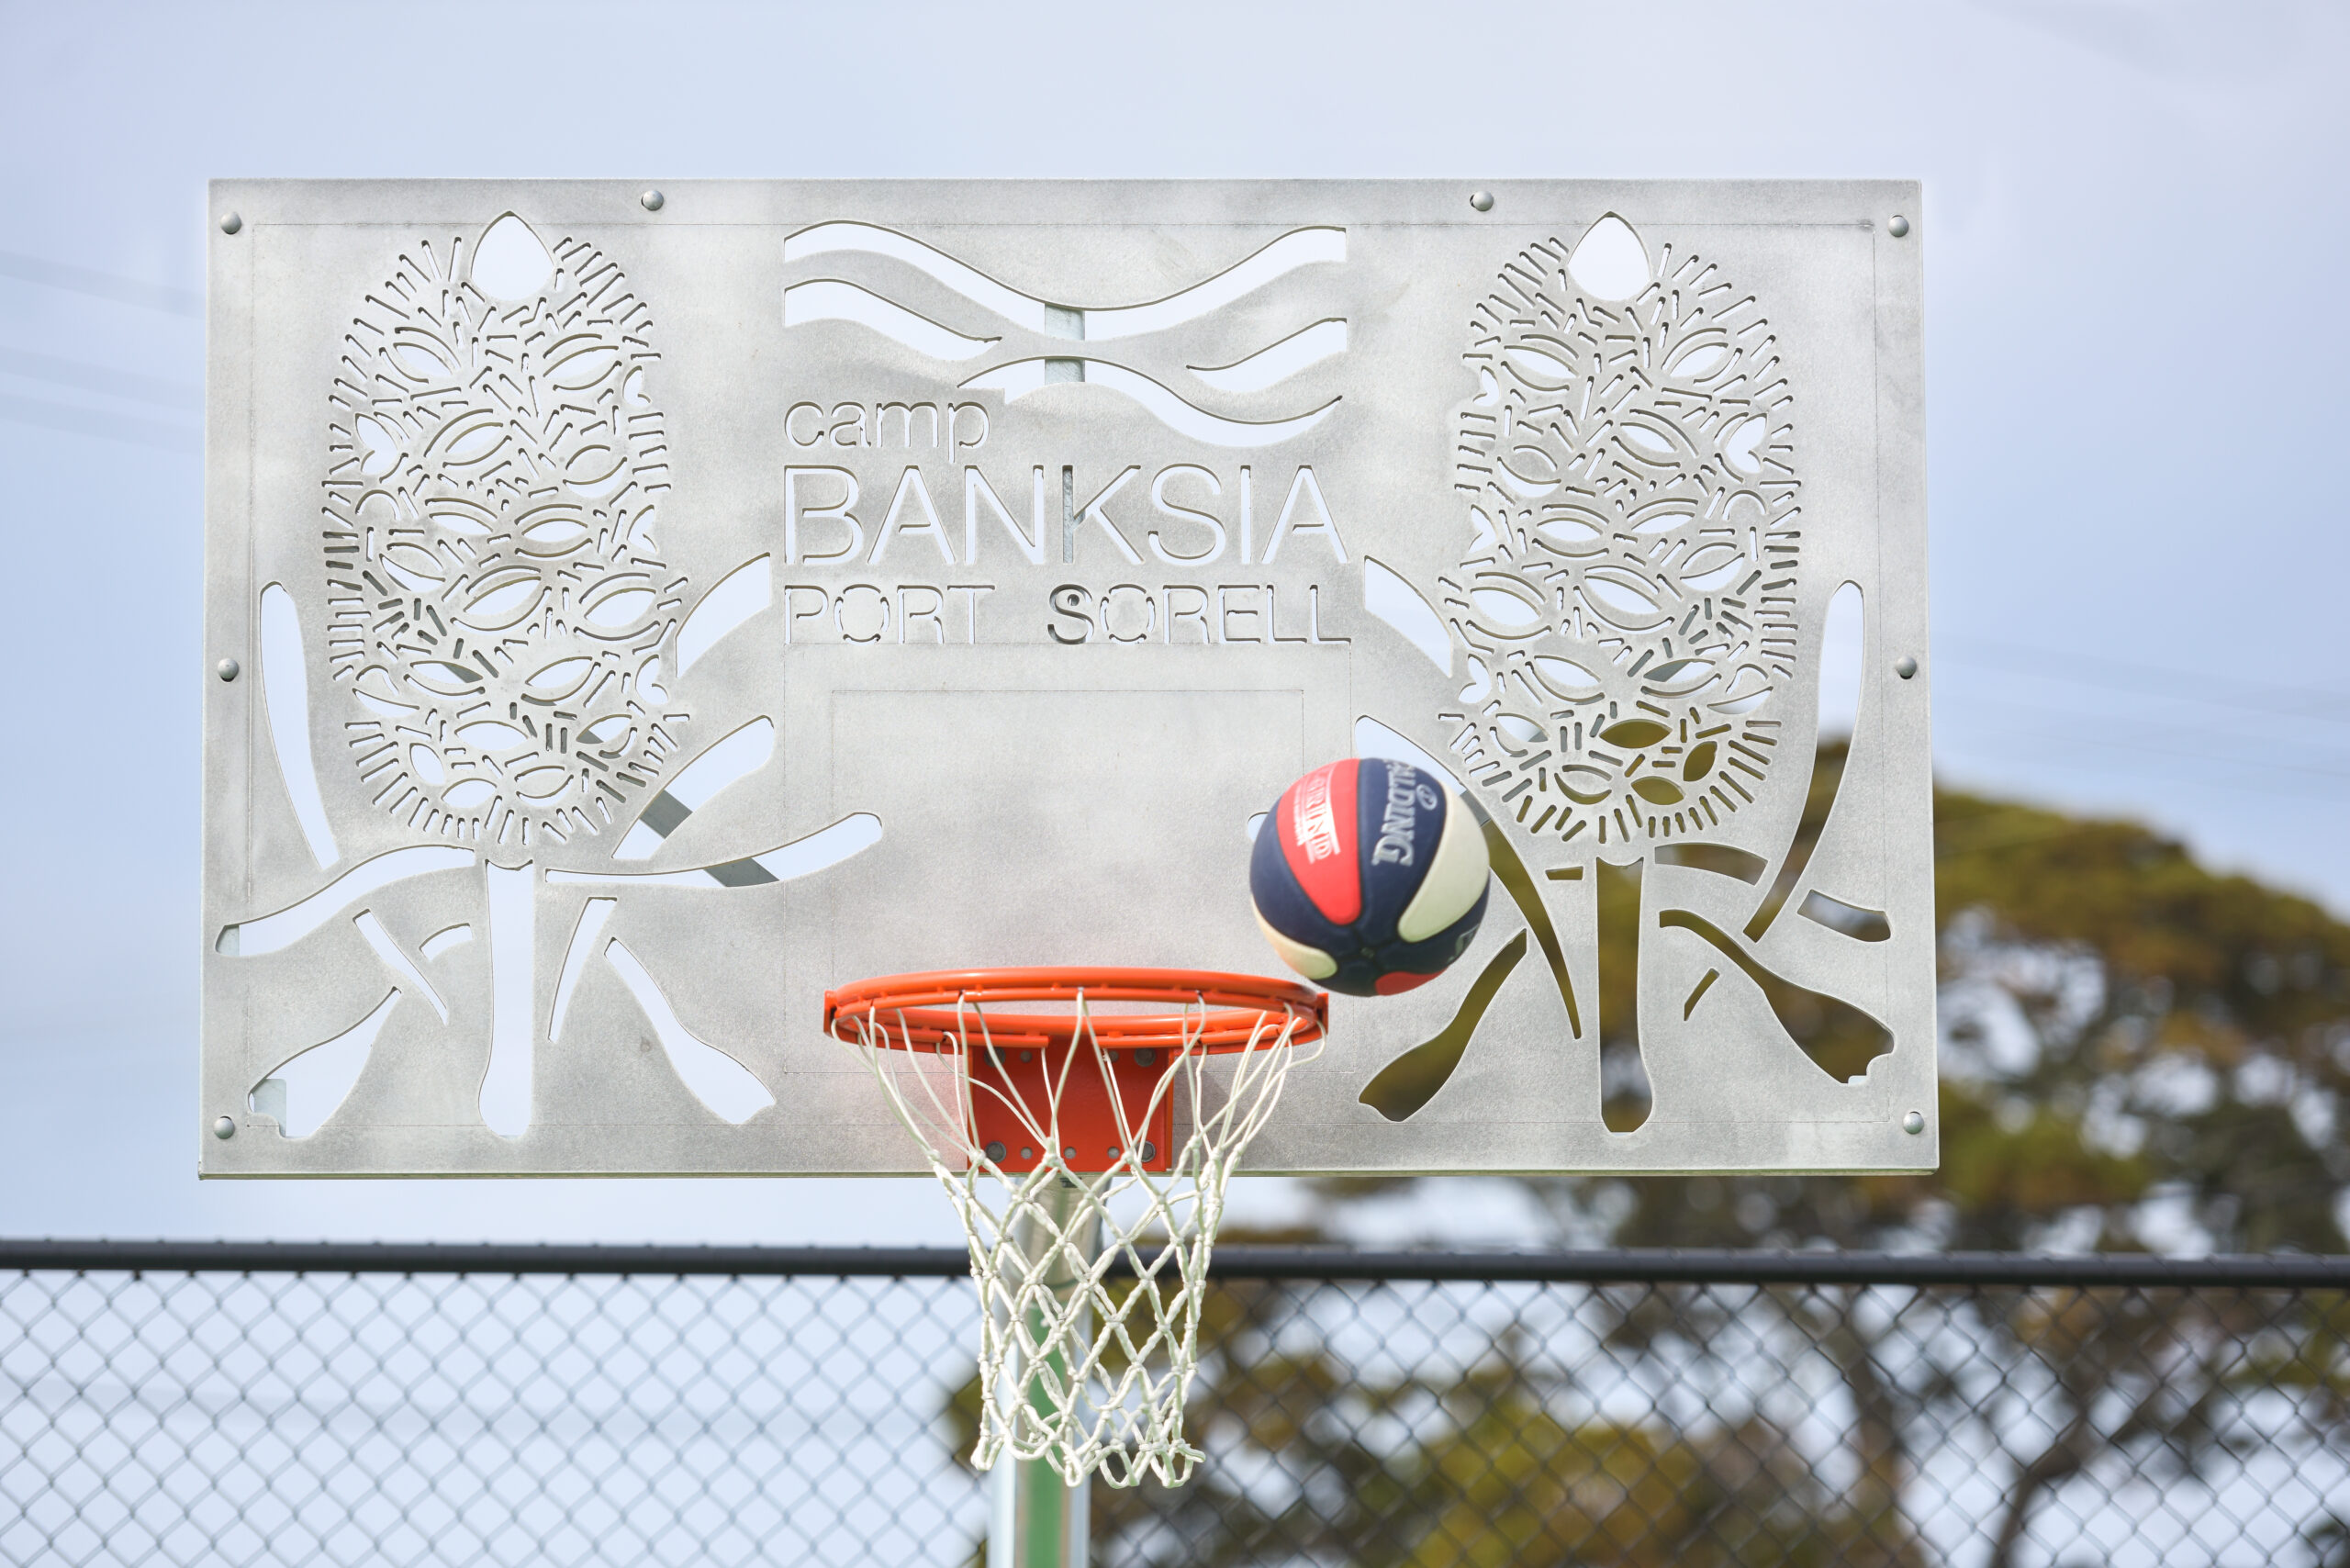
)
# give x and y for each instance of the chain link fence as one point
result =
(189, 1404)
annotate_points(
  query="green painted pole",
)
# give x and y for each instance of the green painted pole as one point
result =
(1037, 1519)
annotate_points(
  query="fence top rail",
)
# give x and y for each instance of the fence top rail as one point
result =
(1231, 1263)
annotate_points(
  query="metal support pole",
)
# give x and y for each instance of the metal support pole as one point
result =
(1037, 1519)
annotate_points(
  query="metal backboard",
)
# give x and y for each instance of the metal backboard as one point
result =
(629, 613)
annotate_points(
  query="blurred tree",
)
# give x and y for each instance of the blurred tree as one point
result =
(2138, 1053)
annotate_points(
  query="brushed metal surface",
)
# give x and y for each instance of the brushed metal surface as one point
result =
(1148, 479)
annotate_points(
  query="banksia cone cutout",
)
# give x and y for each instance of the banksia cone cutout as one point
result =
(1627, 594)
(497, 602)
(1628, 598)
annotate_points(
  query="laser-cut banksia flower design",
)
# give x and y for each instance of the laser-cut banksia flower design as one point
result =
(498, 618)
(1628, 596)
(1627, 599)
(498, 605)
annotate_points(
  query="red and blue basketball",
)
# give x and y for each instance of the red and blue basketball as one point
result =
(1369, 876)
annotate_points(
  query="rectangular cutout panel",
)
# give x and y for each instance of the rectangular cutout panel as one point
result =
(647, 618)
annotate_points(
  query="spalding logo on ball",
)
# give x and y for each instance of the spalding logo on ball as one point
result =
(1369, 876)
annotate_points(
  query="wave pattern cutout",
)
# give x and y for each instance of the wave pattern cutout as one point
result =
(830, 300)
(1278, 363)
(1031, 367)
(1022, 376)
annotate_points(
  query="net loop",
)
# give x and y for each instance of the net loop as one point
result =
(1087, 1154)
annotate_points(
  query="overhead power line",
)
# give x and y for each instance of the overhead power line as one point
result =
(101, 285)
(2151, 680)
(2042, 745)
(2193, 742)
(103, 378)
(80, 420)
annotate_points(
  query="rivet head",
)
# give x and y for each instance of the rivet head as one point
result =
(230, 223)
(1915, 1121)
(1149, 1153)
(227, 669)
(1068, 1154)
(226, 1128)
(653, 200)
(994, 1152)
(1481, 200)
(1905, 666)
(1897, 226)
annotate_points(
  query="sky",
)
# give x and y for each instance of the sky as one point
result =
(2132, 385)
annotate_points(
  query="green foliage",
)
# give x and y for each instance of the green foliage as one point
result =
(2234, 990)
(1512, 1484)
(2184, 1034)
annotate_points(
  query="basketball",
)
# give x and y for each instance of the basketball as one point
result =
(1369, 876)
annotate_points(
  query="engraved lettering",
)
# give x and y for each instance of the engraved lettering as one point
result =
(1273, 619)
(918, 603)
(815, 435)
(977, 492)
(1073, 601)
(843, 613)
(1226, 610)
(1305, 487)
(793, 617)
(1072, 516)
(905, 412)
(1110, 604)
(794, 513)
(1213, 524)
(909, 485)
(1192, 610)
(870, 613)
(1314, 617)
(957, 442)
(1247, 515)
(970, 606)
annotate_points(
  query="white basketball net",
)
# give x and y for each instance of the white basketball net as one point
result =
(1081, 1367)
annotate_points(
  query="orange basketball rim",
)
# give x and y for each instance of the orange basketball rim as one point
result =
(936, 1011)
(1078, 1084)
